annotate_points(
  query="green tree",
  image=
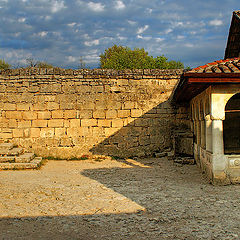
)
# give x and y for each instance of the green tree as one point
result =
(119, 57)
(4, 65)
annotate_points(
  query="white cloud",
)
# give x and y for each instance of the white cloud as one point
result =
(91, 58)
(189, 45)
(159, 39)
(96, 7)
(216, 22)
(144, 38)
(119, 5)
(21, 20)
(180, 37)
(71, 24)
(91, 43)
(149, 10)
(142, 29)
(132, 22)
(121, 37)
(42, 34)
(71, 59)
(168, 30)
(57, 6)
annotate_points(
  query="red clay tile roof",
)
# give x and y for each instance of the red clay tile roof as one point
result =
(230, 65)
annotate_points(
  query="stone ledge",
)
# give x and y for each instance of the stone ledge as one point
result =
(34, 164)
(90, 72)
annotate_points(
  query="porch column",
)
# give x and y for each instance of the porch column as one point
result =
(217, 137)
(208, 129)
(203, 134)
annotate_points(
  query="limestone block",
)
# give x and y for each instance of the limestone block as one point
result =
(13, 115)
(46, 132)
(98, 132)
(26, 132)
(12, 123)
(117, 123)
(9, 106)
(39, 123)
(111, 114)
(29, 115)
(44, 115)
(23, 106)
(57, 114)
(5, 135)
(67, 114)
(66, 142)
(74, 132)
(24, 124)
(35, 132)
(110, 131)
(88, 105)
(100, 105)
(60, 132)
(104, 123)
(52, 106)
(85, 114)
(74, 123)
(136, 113)
(17, 133)
(6, 146)
(55, 123)
(39, 106)
(66, 123)
(26, 157)
(99, 114)
(88, 122)
(123, 113)
(128, 105)
(142, 122)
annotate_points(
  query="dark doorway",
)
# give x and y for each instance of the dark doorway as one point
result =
(231, 126)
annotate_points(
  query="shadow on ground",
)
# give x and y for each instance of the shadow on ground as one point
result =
(178, 204)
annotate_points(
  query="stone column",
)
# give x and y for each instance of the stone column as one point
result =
(203, 134)
(208, 123)
(217, 137)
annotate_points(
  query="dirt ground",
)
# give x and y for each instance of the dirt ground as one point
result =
(151, 198)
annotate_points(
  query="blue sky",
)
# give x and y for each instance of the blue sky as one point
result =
(61, 31)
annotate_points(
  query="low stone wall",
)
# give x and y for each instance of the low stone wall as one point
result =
(69, 113)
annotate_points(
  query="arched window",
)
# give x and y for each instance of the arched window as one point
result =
(231, 126)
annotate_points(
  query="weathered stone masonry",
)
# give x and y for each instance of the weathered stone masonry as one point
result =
(69, 113)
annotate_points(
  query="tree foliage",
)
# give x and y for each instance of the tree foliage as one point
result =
(4, 65)
(119, 57)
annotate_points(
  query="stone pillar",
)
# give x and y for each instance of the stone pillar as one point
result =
(198, 125)
(219, 160)
(203, 134)
(208, 123)
(217, 137)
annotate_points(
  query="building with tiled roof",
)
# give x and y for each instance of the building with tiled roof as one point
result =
(233, 44)
(212, 93)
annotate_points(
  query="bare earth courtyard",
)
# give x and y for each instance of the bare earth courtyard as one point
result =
(152, 198)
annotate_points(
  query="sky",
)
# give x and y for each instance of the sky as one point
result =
(62, 32)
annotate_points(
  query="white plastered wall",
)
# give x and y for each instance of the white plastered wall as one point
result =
(208, 114)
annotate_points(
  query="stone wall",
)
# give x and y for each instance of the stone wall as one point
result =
(69, 113)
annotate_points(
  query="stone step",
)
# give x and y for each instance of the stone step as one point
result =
(7, 159)
(24, 158)
(15, 151)
(35, 163)
(7, 146)
(11, 152)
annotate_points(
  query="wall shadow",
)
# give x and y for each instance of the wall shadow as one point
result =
(150, 133)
